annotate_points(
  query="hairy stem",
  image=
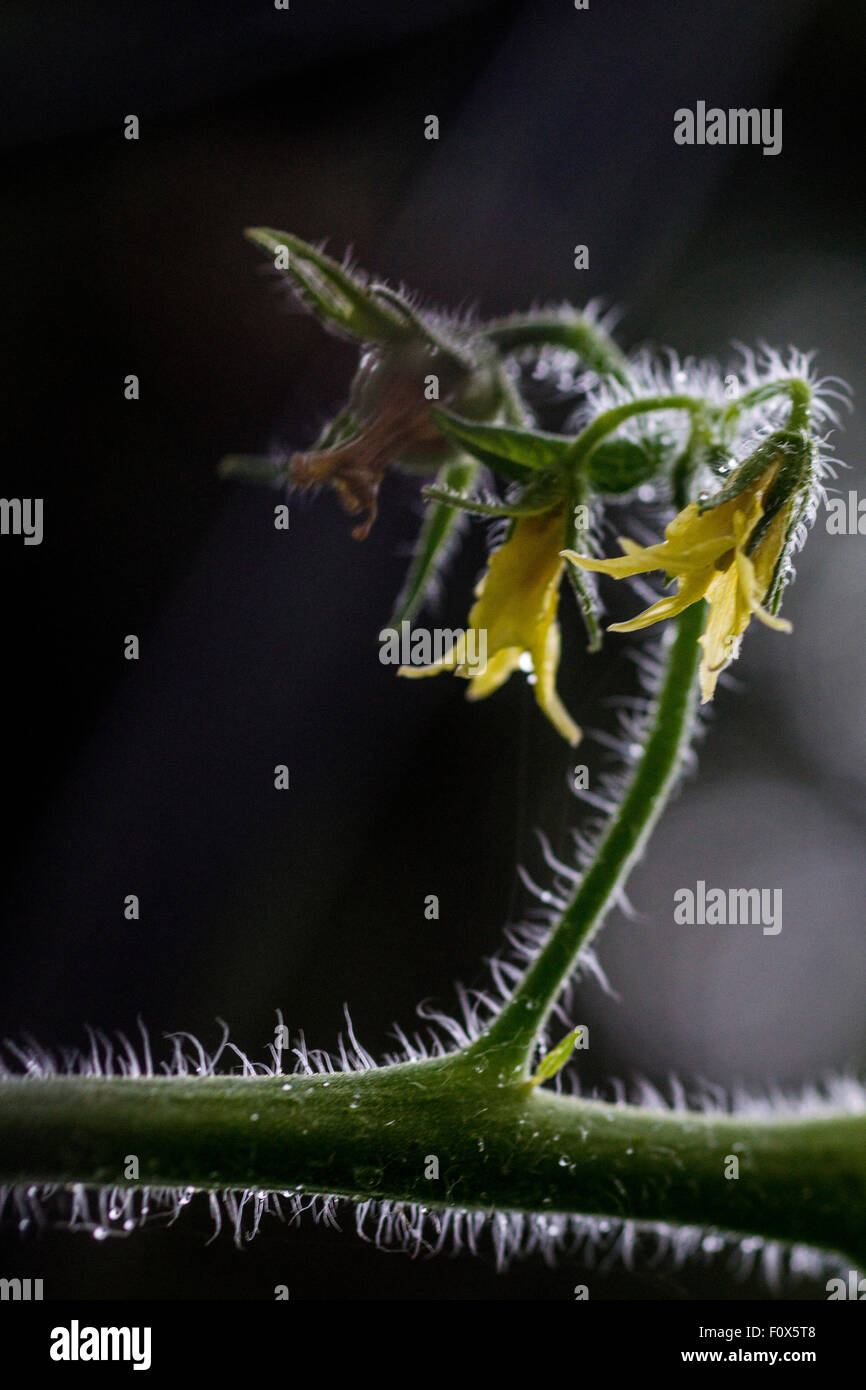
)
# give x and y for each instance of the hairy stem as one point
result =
(799, 391)
(610, 420)
(581, 335)
(516, 1027)
(499, 1146)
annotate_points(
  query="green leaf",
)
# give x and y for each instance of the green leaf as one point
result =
(620, 465)
(509, 450)
(331, 291)
(556, 1058)
(437, 530)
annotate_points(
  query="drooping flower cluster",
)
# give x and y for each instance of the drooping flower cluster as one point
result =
(736, 454)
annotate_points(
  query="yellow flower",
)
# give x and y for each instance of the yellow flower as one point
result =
(706, 554)
(515, 614)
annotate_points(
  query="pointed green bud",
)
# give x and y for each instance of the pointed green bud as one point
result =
(557, 1057)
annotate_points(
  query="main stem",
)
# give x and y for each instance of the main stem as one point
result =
(371, 1135)
(516, 1027)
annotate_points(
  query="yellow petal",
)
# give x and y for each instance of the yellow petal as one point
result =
(453, 660)
(495, 673)
(694, 553)
(770, 620)
(769, 550)
(515, 610)
(522, 575)
(691, 590)
(640, 561)
(730, 596)
(546, 663)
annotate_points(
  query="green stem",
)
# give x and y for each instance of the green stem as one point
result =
(801, 404)
(610, 420)
(796, 387)
(499, 1148)
(516, 1028)
(579, 334)
(686, 465)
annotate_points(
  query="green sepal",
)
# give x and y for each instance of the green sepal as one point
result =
(583, 582)
(509, 450)
(717, 458)
(800, 472)
(556, 1058)
(787, 443)
(332, 292)
(541, 494)
(795, 470)
(437, 529)
(425, 328)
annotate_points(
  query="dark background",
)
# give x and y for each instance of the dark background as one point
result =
(260, 647)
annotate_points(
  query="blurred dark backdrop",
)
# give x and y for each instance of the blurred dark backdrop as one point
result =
(260, 647)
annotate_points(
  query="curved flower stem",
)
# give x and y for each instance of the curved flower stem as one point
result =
(516, 1028)
(801, 404)
(797, 388)
(574, 331)
(684, 468)
(610, 420)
